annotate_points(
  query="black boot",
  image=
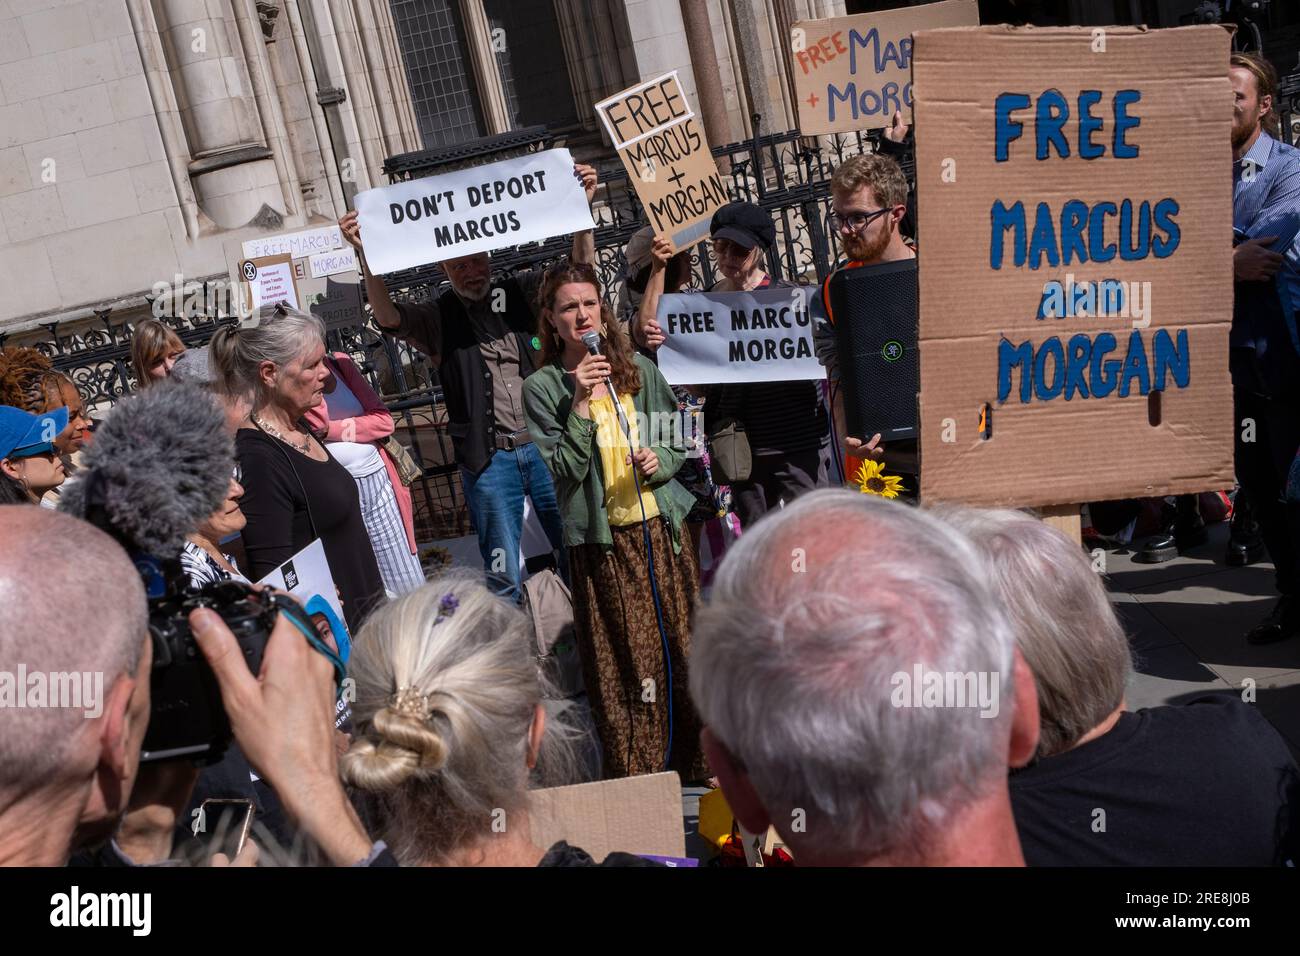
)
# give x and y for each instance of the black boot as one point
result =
(1185, 530)
(1282, 622)
(1245, 543)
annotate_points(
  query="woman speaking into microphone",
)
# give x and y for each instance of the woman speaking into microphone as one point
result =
(634, 585)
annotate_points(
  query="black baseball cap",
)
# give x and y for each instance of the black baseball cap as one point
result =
(745, 224)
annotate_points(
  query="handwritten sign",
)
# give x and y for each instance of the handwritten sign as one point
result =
(332, 263)
(662, 145)
(854, 73)
(1075, 263)
(527, 199)
(719, 337)
(295, 245)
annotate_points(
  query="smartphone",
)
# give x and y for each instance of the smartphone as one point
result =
(223, 825)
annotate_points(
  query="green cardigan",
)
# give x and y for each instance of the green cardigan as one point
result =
(567, 443)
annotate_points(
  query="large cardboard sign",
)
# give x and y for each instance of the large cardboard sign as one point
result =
(1075, 243)
(507, 203)
(721, 337)
(662, 145)
(640, 815)
(854, 73)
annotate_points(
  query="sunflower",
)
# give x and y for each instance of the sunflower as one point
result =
(872, 480)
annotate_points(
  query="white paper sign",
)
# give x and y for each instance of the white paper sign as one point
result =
(270, 281)
(332, 263)
(295, 245)
(502, 204)
(720, 337)
(306, 575)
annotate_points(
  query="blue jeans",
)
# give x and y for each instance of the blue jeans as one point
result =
(496, 504)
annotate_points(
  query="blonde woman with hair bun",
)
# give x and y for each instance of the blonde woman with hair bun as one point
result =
(451, 731)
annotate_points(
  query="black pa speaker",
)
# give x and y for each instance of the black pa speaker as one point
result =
(874, 308)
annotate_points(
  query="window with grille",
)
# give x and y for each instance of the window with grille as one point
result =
(432, 38)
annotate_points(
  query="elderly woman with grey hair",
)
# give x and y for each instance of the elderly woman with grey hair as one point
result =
(1206, 783)
(294, 489)
(452, 732)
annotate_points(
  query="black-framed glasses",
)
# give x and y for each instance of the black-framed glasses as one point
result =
(856, 221)
(237, 474)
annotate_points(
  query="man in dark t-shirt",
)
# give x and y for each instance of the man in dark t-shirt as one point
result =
(1209, 783)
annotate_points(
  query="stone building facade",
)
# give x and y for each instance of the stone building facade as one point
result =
(138, 138)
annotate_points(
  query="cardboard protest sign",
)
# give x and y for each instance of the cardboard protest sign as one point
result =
(1075, 263)
(641, 814)
(507, 203)
(854, 73)
(720, 337)
(322, 269)
(668, 161)
(269, 279)
(339, 306)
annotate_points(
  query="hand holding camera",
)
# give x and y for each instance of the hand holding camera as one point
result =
(283, 719)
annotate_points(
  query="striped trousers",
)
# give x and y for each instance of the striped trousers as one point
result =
(399, 568)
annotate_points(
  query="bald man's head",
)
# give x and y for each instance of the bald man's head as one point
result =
(73, 621)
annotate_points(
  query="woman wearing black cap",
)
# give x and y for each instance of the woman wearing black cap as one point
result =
(785, 422)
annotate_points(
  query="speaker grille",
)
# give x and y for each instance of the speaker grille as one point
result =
(875, 328)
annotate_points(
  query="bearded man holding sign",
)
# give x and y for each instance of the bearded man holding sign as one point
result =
(480, 335)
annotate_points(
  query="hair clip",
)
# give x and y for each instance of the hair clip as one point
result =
(411, 702)
(446, 608)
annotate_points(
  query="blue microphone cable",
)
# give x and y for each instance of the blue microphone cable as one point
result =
(654, 584)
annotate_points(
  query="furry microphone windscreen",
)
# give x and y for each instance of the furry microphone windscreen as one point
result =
(159, 465)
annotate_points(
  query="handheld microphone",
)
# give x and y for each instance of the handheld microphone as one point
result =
(591, 339)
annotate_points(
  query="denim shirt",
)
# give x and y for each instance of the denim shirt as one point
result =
(1266, 202)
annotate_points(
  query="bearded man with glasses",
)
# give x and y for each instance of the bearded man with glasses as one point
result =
(868, 202)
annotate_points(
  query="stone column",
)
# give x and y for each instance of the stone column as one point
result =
(162, 95)
(748, 14)
(302, 43)
(592, 56)
(382, 51)
(708, 80)
(234, 176)
(256, 20)
(785, 13)
(487, 76)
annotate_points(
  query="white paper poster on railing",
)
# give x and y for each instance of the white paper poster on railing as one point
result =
(496, 206)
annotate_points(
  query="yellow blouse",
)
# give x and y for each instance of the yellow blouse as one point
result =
(620, 482)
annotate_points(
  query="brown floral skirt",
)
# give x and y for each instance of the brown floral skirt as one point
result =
(622, 652)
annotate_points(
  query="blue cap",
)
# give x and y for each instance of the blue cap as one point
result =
(23, 434)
